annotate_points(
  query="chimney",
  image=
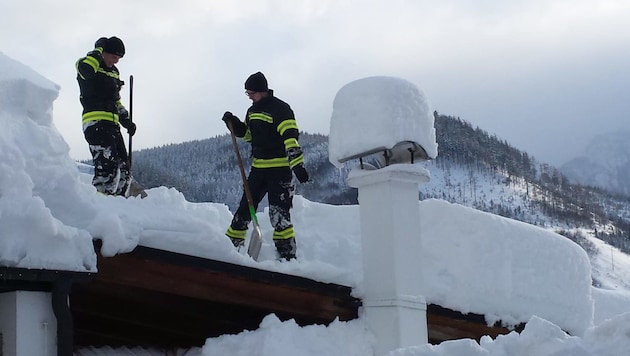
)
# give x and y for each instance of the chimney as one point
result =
(386, 124)
(393, 305)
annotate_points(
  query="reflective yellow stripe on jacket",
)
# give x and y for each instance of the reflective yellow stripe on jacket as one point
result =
(286, 125)
(248, 136)
(89, 60)
(288, 145)
(100, 116)
(270, 162)
(260, 116)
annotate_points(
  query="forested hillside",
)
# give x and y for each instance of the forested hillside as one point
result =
(473, 168)
(207, 170)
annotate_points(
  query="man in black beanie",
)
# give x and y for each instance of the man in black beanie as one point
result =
(271, 129)
(99, 84)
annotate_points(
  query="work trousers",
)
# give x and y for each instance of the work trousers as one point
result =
(277, 184)
(111, 162)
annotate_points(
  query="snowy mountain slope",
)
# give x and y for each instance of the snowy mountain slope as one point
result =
(472, 169)
(605, 163)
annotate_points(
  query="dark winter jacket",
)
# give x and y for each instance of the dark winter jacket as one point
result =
(99, 87)
(271, 129)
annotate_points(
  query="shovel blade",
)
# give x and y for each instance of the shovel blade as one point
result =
(135, 189)
(255, 243)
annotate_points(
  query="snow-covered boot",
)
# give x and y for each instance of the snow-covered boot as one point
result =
(286, 248)
(237, 242)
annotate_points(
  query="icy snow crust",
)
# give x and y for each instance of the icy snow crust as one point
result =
(472, 261)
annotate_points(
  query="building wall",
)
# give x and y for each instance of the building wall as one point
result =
(27, 324)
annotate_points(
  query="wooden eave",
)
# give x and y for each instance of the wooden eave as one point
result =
(37, 279)
(162, 299)
(157, 298)
(445, 324)
(151, 297)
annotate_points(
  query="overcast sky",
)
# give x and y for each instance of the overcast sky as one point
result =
(546, 75)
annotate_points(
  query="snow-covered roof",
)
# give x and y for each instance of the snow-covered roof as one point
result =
(472, 261)
(22, 89)
(36, 174)
(503, 268)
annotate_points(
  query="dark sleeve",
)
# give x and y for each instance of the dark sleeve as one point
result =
(285, 123)
(240, 128)
(88, 65)
(288, 130)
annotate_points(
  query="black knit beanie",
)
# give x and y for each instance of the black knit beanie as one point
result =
(114, 45)
(100, 42)
(256, 82)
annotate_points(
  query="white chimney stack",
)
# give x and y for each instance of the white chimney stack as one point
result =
(393, 304)
(387, 125)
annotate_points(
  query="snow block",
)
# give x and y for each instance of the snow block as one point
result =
(374, 115)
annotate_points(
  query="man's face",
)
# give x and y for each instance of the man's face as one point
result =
(253, 95)
(110, 59)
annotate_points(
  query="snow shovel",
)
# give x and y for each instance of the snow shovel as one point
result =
(134, 188)
(255, 240)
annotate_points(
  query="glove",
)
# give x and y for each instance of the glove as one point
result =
(123, 118)
(100, 42)
(228, 117)
(300, 173)
(131, 128)
(123, 114)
